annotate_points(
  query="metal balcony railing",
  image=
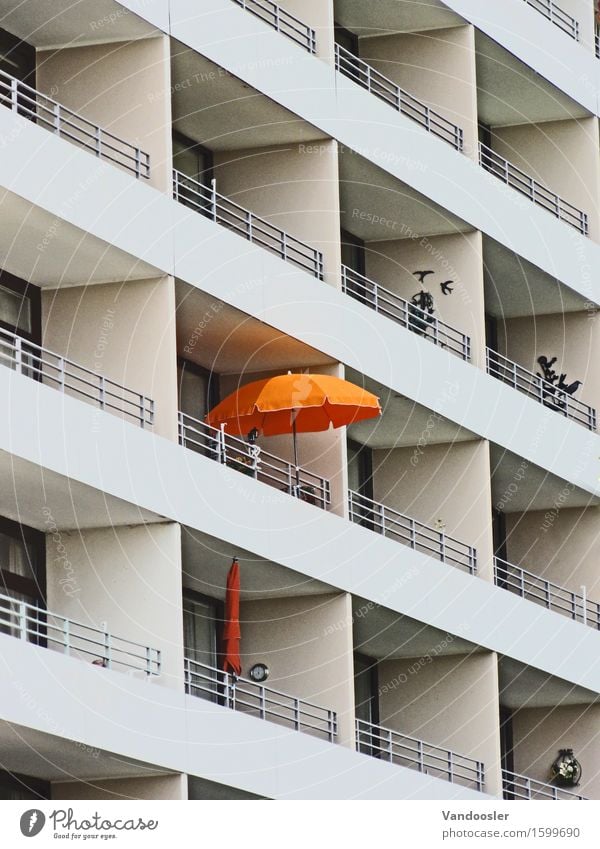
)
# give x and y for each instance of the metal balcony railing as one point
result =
(257, 700)
(411, 753)
(388, 522)
(50, 630)
(211, 204)
(536, 192)
(597, 41)
(51, 369)
(385, 89)
(539, 389)
(253, 461)
(552, 596)
(50, 115)
(56, 371)
(406, 314)
(282, 21)
(515, 786)
(558, 16)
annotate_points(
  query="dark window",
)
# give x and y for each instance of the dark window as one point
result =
(507, 747)
(360, 468)
(20, 307)
(16, 787)
(17, 58)
(22, 562)
(353, 252)
(202, 627)
(347, 39)
(366, 688)
(192, 159)
(485, 134)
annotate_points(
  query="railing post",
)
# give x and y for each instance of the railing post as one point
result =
(101, 391)
(213, 198)
(450, 767)
(262, 706)
(148, 661)
(297, 714)
(56, 118)
(107, 649)
(22, 620)
(18, 355)
(522, 582)
(436, 331)
(222, 449)
(584, 604)
(67, 636)
(442, 547)
(331, 725)
(138, 162)
(176, 185)
(420, 758)
(283, 245)
(14, 94)
(548, 595)
(142, 408)
(514, 371)
(249, 224)
(99, 142)
(61, 373)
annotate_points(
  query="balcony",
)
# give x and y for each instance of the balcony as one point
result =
(411, 753)
(536, 192)
(515, 786)
(552, 596)
(263, 702)
(557, 16)
(60, 373)
(208, 202)
(253, 461)
(390, 523)
(282, 21)
(385, 89)
(407, 315)
(539, 389)
(50, 115)
(52, 631)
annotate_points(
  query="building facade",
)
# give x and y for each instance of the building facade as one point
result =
(195, 196)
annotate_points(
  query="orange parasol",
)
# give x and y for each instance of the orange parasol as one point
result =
(293, 403)
(231, 629)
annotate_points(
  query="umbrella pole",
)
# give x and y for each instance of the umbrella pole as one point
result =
(295, 451)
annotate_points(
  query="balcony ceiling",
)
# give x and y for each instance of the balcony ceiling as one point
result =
(66, 256)
(536, 489)
(233, 342)
(384, 634)
(218, 110)
(206, 561)
(403, 422)
(509, 92)
(57, 23)
(515, 287)
(29, 491)
(377, 207)
(389, 16)
(526, 687)
(56, 758)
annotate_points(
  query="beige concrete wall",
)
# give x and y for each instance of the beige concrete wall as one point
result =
(539, 733)
(307, 644)
(128, 578)
(124, 87)
(123, 331)
(319, 16)
(572, 337)
(324, 454)
(456, 257)
(447, 482)
(116, 789)
(437, 67)
(561, 544)
(295, 187)
(449, 701)
(562, 155)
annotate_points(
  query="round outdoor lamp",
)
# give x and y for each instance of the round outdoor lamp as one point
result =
(259, 673)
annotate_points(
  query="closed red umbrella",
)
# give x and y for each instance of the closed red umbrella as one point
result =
(231, 630)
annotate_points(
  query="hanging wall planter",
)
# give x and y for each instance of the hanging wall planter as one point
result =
(566, 769)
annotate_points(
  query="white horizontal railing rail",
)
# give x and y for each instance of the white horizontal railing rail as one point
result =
(539, 389)
(552, 596)
(536, 192)
(408, 315)
(411, 753)
(254, 461)
(368, 77)
(243, 695)
(51, 369)
(50, 630)
(567, 23)
(282, 21)
(211, 204)
(47, 113)
(390, 523)
(517, 786)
